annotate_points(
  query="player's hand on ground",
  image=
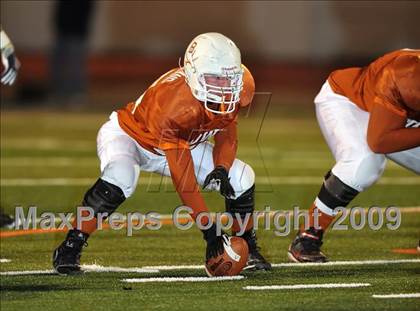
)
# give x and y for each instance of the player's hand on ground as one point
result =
(214, 242)
(219, 179)
(11, 66)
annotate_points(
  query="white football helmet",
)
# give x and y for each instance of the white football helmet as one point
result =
(212, 66)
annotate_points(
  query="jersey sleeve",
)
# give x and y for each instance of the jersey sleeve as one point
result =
(406, 70)
(388, 117)
(387, 94)
(225, 146)
(387, 132)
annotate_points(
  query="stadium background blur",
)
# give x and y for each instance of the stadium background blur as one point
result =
(290, 46)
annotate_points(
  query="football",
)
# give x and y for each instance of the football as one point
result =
(232, 261)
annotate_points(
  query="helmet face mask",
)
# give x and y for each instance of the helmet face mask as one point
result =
(221, 90)
(212, 66)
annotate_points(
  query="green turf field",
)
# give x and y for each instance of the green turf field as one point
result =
(48, 160)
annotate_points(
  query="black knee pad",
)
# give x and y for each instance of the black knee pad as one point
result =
(335, 193)
(103, 197)
(243, 205)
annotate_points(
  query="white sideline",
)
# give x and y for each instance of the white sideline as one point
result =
(155, 269)
(274, 180)
(412, 295)
(4, 260)
(185, 279)
(307, 286)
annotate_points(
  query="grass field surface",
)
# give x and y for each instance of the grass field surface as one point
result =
(48, 160)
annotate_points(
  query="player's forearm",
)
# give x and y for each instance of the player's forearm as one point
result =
(183, 177)
(224, 154)
(225, 147)
(395, 140)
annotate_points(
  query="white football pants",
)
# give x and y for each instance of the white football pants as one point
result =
(122, 159)
(344, 126)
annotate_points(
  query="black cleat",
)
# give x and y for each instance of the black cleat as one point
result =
(66, 257)
(6, 221)
(256, 261)
(306, 247)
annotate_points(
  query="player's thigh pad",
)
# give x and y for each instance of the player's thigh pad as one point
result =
(120, 163)
(242, 176)
(344, 126)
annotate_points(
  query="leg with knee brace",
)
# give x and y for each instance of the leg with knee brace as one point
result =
(242, 206)
(334, 193)
(103, 197)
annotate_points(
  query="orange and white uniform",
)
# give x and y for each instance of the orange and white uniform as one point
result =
(389, 89)
(166, 131)
(368, 114)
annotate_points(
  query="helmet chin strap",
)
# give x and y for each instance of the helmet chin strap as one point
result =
(222, 107)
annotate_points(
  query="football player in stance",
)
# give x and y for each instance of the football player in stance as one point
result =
(166, 131)
(366, 115)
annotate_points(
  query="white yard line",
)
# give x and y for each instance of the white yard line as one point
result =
(180, 267)
(86, 268)
(4, 260)
(184, 279)
(28, 272)
(347, 263)
(412, 295)
(99, 268)
(155, 269)
(306, 286)
(276, 180)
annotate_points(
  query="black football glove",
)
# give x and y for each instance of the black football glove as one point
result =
(11, 65)
(214, 242)
(220, 177)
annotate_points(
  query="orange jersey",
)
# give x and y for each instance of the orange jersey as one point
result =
(168, 116)
(392, 80)
(389, 89)
(168, 120)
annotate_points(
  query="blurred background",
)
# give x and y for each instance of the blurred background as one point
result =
(102, 54)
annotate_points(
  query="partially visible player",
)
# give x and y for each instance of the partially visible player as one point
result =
(166, 131)
(8, 77)
(9, 60)
(366, 115)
